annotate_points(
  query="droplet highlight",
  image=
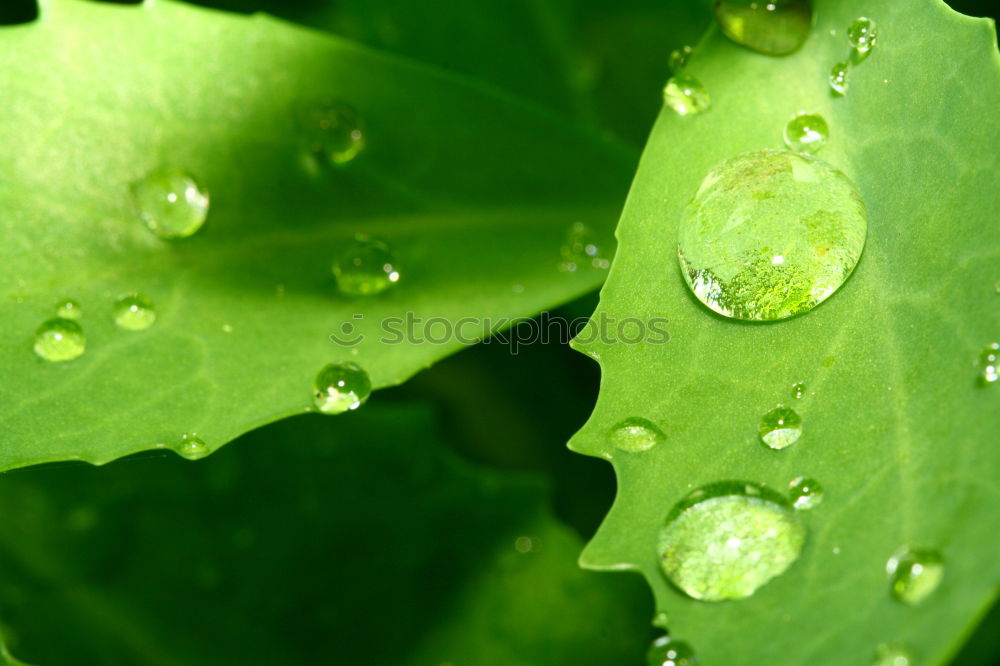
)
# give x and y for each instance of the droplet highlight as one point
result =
(805, 493)
(635, 435)
(667, 652)
(678, 59)
(771, 234)
(914, 574)
(806, 132)
(134, 312)
(771, 27)
(686, 95)
(333, 130)
(892, 654)
(780, 428)
(69, 309)
(171, 203)
(60, 339)
(192, 447)
(838, 78)
(861, 34)
(989, 363)
(582, 249)
(726, 540)
(340, 387)
(366, 267)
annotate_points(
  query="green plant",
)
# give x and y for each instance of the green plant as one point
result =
(499, 139)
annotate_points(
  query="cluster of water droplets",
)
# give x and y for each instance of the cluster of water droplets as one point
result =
(861, 35)
(683, 93)
(582, 248)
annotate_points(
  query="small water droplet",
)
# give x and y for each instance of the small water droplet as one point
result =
(170, 202)
(134, 312)
(726, 540)
(581, 248)
(772, 27)
(805, 493)
(678, 58)
(333, 130)
(68, 309)
(686, 95)
(892, 654)
(192, 447)
(806, 132)
(661, 620)
(667, 652)
(770, 234)
(838, 78)
(914, 574)
(781, 427)
(989, 361)
(60, 339)
(527, 544)
(635, 434)
(798, 390)
(366, 267)
(861, 34)
(340, 387)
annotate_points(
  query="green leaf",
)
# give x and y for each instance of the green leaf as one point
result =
(895, 424)
(348, 541)
(474, 190)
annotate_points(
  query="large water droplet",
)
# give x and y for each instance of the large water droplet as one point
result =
(635, 434)
(914, 574)
(781, 427)
(333, 130)
(805, 493)
(366, 267)
(667, 652)
(772, 27)
(726, 540)
(806, 132)
(989, 361)
(861, 34)
(60, 339)
(678, 59)
(134, 312)
(340, 387)
(69, 309)
(798, 390)
(170, 202)
(771, 234)
(581, 248)
(685, 95)
(838, 78)
(192, 447)
(892, 654)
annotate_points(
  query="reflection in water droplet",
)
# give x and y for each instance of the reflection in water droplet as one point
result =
(892, 654)
(170, 202)
(192, 448)
(772, 27)
(914, 574)
(770, 234)
(989, 361)
(798, 390)
(861, 34)
(340, 387)
(838, 78)
(805, 493)
(333, 130)
(726, 540)
(781, 427)
(366, 267)
(806, 132)
(667, 652)
(69, 309)
(60, 339)
(134, 312)
(678, 59)
(635, 434)
(581, 248)
(686, 95)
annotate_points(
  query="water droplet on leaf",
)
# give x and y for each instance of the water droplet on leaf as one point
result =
(192, 448)
(170, 202)
(69, 309)
(726, 540)
(581, 248)
(667, 652)
(333, 130)
(366, 267)
(798, 390)
(805, 493)
(914, 574)
(340, 387)
(60, 339)
(806, 132)
(989, 361)
(772, 27)
(678, 58)
(134, 312)
(892, 654)
(685, 95)
(635, 434)
(781, 427)
(838, 78)
(771, 234)
(861, 34)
